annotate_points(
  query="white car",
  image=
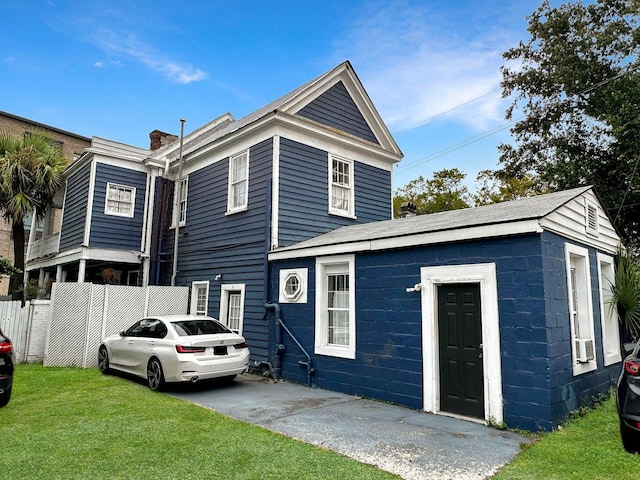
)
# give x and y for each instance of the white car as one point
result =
(175, 348)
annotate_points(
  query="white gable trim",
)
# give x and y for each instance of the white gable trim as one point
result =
(485, 275)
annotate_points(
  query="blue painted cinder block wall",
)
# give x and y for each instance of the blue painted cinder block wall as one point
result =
(534, 328)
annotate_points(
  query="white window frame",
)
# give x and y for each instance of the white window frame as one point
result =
(325, 266)
(225, 292)
(107, 200)
(233, 183)
(580, 304)
(608, 313)
(348, 187)
(196, 287)
(180, 205)
(301, 295)
(592, 228)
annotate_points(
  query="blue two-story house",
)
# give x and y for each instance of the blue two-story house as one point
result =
(316, 159)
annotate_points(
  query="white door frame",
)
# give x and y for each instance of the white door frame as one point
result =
(483, 274)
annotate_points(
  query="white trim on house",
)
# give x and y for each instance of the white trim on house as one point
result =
(577, 258)
(608, 314)
(195, 288)
(430, 238)
(90, 196)
(275, 193)
(343, 264)
(86, 253)
(127, 188)
(485, 275)
(302, 276)
(338, 186)
(231, 206)
(225, 291)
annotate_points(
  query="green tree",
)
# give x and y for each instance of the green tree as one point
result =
(30, 174)
(494, 188)
(576, 82)
(443, 192)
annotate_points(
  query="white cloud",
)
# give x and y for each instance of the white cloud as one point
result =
(416, 65)
(128, 45)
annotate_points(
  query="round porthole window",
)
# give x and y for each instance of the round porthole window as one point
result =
(292, 286)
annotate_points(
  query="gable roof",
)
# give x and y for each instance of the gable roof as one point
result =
(290, 104)
(501, 219)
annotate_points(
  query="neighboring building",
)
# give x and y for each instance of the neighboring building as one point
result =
(498, 312)
(72, 146)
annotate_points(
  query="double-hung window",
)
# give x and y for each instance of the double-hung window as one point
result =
(341, 197)
(180, 205)
(580, 309)
(199, 298)
(608, 313)
(120, 200)
(335, 307)
(238, 182)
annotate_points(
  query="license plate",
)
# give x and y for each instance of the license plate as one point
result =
(220, 350)
(1, 361)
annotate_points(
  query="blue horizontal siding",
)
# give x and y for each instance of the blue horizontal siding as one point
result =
(111, 231)
(74, 216)
(233, 246)
(336, 108)
(304, 193)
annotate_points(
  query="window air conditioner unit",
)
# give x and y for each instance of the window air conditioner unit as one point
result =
(584, 350)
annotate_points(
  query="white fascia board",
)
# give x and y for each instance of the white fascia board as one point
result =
(83, 253)
(341, 143)
(585, 240)
(119, 162)
(421, 239)
(294, 128)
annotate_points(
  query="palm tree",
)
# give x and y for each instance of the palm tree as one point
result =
(30, 174)
(625, 292)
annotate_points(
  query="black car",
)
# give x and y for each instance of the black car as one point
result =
(628, 399)
(7, 361)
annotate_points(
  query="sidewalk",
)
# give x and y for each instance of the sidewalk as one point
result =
(414, 445)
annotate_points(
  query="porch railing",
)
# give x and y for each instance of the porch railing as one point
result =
(43, 246)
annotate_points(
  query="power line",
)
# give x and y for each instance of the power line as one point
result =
(472, 140)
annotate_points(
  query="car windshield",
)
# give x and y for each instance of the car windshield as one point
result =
(199, 327)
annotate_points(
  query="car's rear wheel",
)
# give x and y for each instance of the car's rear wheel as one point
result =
(630, 438)
(103, 359)
(5, 396)
(155, 377)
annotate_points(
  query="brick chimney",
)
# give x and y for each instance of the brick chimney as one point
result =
(159, 139)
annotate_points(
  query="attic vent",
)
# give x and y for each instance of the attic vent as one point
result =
(592, 218)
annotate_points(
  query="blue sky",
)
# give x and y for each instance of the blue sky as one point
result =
(120, 69)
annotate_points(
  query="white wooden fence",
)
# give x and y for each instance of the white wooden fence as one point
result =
(26, 327)
(82, 314)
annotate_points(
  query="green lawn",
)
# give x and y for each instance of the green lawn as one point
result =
(587, 448)
(68, 423)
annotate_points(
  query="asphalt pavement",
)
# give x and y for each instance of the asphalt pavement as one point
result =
(411, 444)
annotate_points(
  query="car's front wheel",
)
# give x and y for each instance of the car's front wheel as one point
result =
(103, 359)
(155, 377)
(5, 396)
(630, 438)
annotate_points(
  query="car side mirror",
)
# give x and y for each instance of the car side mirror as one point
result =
(122, 333)
(628, 347)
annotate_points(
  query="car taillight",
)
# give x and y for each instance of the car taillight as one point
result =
(632, 367)
(5, 348)
(187, 349)
(241, 345)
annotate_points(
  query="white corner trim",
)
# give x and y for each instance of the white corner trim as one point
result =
(275, 193)
(485, 275)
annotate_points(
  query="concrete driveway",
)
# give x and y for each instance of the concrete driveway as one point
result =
(414, 445)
